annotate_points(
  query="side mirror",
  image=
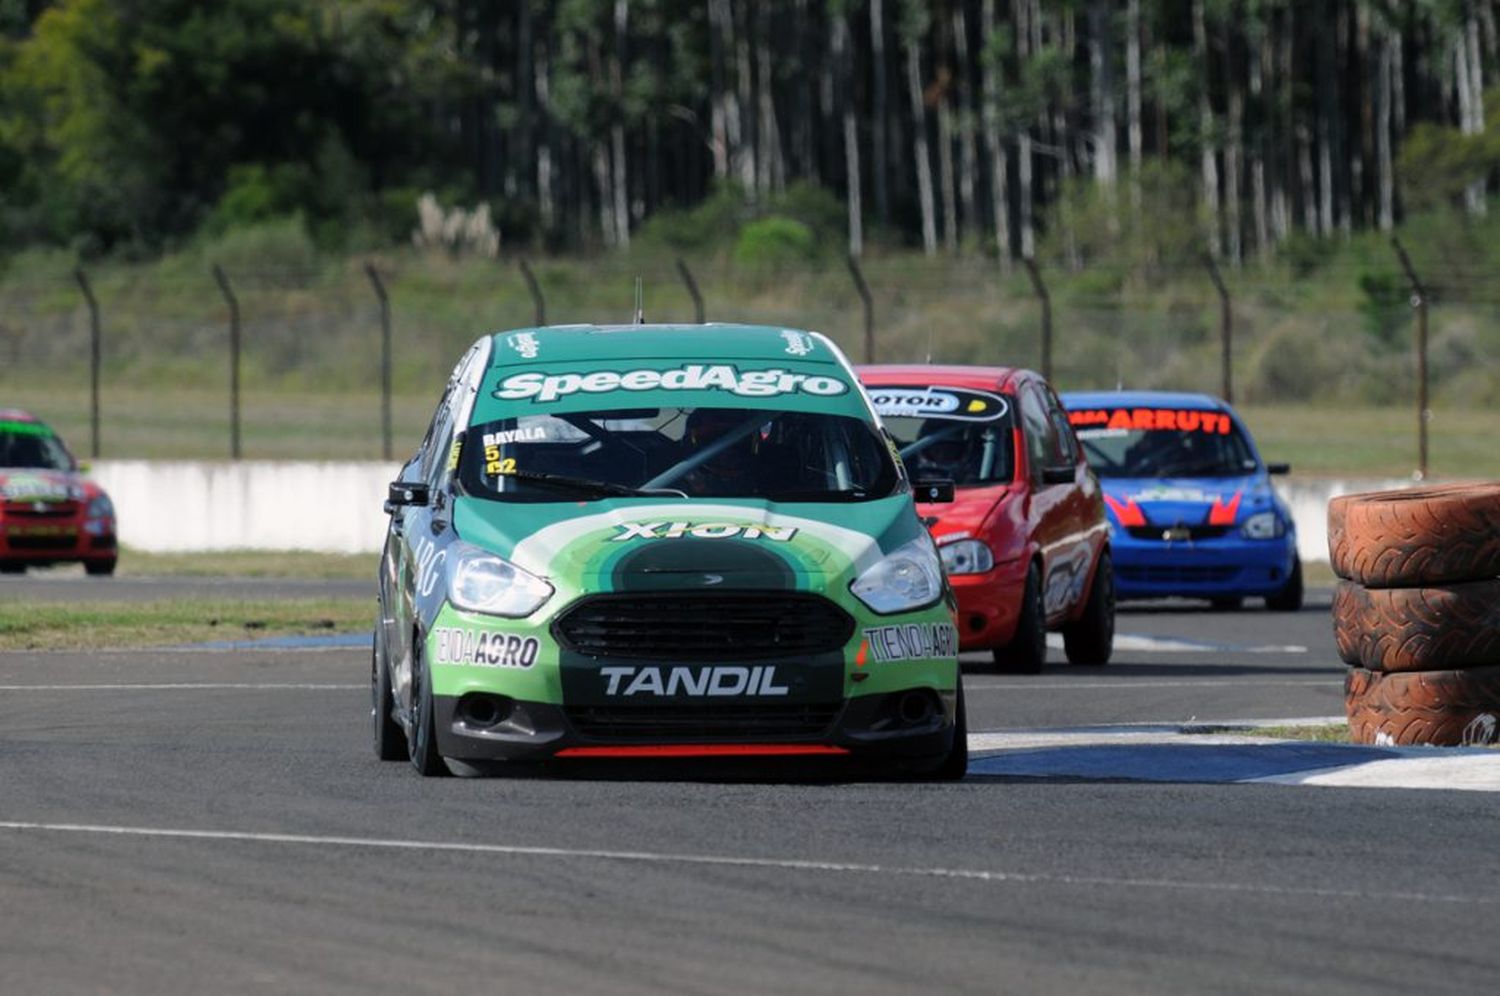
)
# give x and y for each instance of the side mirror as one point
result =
(1278, 468)
(932, 491)
(1057, 475)
(404, 494)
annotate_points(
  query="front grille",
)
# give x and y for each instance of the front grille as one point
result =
(49, 510)
(688, 723)
(1174, 574)
(42, 542)
(667, 626)
(1193, 532)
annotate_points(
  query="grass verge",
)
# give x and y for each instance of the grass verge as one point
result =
(292, 564)
(1332, 733)
(107, 625)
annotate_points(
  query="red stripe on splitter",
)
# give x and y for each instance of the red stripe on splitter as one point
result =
(703, 750)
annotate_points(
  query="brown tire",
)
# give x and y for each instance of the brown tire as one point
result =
(1444, 708)
(1420, 536)
(1418, 629)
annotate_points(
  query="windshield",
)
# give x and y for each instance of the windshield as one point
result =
(683, 452)
(25, 444)
(1139, 442)
(949, 434)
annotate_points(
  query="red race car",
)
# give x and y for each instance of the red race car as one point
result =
(49, 512)
(1026, 542)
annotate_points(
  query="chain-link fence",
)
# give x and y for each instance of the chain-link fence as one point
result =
(311, 362)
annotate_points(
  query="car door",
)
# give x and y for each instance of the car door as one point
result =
(1053, 466)
(418, 536)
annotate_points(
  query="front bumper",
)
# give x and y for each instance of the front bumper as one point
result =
(56, 541)
(484, 727)
(1225, 567)
(989, 604)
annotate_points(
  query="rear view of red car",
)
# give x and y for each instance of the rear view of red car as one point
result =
(1025, 542)
(49, 512)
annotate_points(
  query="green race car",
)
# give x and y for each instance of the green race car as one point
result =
(661, 541)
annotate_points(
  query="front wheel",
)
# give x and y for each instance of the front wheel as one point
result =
(956, 764)
(422, 742)
(1027, 650)
(1289, 598)
(390, 742)
(1091, 640)
(99, 568)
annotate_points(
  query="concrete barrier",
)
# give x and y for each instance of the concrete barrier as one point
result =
(167, 506)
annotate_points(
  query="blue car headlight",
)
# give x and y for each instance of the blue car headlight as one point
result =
(1263, 525)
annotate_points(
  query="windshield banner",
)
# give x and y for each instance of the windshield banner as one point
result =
(1179, 420)
(954, 403)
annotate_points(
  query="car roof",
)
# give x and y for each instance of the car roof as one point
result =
(939, 374)
(1142, 399)
(709, 341)
(18, 415)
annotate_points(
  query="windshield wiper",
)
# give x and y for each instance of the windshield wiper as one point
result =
(595, 489)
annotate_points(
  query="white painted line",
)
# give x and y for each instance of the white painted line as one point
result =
(972, 685)
(179, 686)
(1172, 645)
(731, 861)
(1468, 772)
(1098, 738)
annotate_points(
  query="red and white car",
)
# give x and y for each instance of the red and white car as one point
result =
(1025, 542)
(50, 513)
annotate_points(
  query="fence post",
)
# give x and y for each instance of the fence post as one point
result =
(385, 359)
(1419, 302)
(536, 294)
(234, 361)
(1226, 326)
(692, 286)
(1046, 299)
(95, 351)
(869, 302)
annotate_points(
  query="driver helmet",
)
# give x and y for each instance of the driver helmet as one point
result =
(948, 454)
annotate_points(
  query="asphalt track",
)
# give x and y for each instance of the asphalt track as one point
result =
(222, 826)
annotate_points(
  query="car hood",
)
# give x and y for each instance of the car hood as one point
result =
(1218, 501)
(624, 544)
(26, 485)
(966, 515)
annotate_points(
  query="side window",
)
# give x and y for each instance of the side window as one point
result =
(1067, 443)
(1041, 435)
(435, 446)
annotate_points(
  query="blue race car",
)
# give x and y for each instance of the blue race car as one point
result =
(1190, 502)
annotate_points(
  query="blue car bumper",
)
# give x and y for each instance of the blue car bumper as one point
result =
(1225, 567)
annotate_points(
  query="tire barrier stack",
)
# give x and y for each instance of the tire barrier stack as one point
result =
(1417, 614)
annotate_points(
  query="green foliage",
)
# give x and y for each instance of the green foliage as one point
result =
(775, 243)
(1437, 163)
(1386, 305)
(712, 224)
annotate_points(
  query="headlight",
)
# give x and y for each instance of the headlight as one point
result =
(1263, 525)
(970, 556)
(908, 578)
(482, 582)
(101, 508)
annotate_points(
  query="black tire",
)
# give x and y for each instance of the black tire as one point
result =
(955, 765)
(390, 741)
(1289, 598)
(1091, 640)
(10, 567)
(99, 568)
(1026, 653)
(1416, 537)
(1438, 628)
(422, 743)
(1227, 603)
(1441, 708)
